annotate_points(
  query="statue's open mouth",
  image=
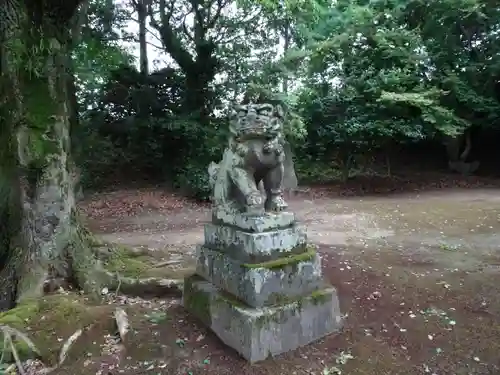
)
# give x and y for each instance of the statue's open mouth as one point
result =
(253, 127)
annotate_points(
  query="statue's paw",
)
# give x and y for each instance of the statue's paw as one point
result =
(255, 199)
(276, 204)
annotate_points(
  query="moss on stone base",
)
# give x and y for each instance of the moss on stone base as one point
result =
(320, 296)
(197, 301)
(277, 299)
(200, 299)
(308, 255)
(316, 298)
(231, 300)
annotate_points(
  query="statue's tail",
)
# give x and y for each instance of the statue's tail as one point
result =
(219, 179)
(213, 171)
(290, 181)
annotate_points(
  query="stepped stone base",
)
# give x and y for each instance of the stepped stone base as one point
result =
(257, 334)
(255, 247)
(253, 223)
(262, 284)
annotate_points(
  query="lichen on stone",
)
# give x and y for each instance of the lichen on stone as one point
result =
(295, 304)
(278, 299)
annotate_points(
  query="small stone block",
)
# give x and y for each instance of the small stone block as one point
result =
(253, 223)
(255, 247)
(257, 334)
(262, 284)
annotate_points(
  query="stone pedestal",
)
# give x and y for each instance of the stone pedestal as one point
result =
(258, 286)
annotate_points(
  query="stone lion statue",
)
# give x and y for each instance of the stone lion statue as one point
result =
(257, 152)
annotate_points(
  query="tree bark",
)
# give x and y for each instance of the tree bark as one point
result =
(457, 158)
(57, 246)
(41, 235)
(10, 208)
(453, 146)
(286, 47)
(143, 50)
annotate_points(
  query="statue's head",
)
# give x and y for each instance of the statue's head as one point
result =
(257, 119)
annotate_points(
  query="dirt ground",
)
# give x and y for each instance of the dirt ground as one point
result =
(418, 276)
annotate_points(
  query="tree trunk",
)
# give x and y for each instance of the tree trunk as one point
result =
(199, 68)
(10, 208)
(286, 47)
(196, 96)
(457, 158)
(60, 249)
(143, 50)
(42, 238)
(453, 147)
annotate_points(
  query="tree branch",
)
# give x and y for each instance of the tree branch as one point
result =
(155, 46)
(221, 4)
(185, 29)
(79, 19)
(149, 31)
(171, 42)
(197, 12)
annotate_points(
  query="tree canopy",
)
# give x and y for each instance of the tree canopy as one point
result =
(154, 77)
(354, 76)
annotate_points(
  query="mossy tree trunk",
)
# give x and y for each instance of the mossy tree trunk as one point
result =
(10, 181)
(41, 236)
(60, 247)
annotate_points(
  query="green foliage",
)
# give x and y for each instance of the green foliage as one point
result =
(95, 59)
(355, 77)
(140, 127)
(441, 118)
(310, 170)
(190, 174)
(99, 159)
(379, 74)
(192, 180)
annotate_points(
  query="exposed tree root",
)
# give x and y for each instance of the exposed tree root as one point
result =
(122, 323)
(89, 257)
(83, 265)
(149, 286)
(93, 277)
(136, 286)
(85, 270)
(105, 250)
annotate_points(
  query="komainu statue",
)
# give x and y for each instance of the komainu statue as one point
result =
(256, 152)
